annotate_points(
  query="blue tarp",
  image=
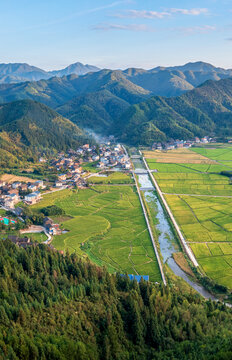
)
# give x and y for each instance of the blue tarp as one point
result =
(138, 277)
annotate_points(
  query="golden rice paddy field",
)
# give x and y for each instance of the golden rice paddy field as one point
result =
(10, 178)
(178, 156)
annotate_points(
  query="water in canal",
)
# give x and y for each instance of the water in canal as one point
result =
(167, 240)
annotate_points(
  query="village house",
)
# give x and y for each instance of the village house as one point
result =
(39, 184)
(32, 187)
(86, 146)
(12, 191)
(58, 184)
(16, 185)
(23, 187)
(95, 158)
(51, 227)
(12, 199)
(32, 198)
(62, 177)
(21, 242)
(9, 203)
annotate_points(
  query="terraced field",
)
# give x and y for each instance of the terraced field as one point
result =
(107, 224)
(206, 219)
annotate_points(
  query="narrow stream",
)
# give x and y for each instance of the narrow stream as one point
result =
(167, 239)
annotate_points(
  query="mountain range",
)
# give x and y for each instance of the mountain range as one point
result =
(123, 102)
(206, 110)
(19, 72)
(163, 81)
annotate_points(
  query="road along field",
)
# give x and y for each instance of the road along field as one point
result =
(108, 225)
(200, 200)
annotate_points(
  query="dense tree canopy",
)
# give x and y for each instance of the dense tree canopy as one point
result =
(56, 307)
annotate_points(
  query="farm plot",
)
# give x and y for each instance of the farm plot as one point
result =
(178, 156)
(111, 178)
(218, 154)
(186, 168)
(206, 224)
(107, 224)
(194, 183)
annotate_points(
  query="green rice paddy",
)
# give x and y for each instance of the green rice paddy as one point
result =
(112, 178)
(193, 183)
(188, 168)
(108, 226)
(205, 221)
(218, 154)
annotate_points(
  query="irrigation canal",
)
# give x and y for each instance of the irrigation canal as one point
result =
(167, 239)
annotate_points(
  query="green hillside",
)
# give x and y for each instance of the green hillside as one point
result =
(61, 307)
(26, 127)
(206, 110)
(96, 111)
(56, 91)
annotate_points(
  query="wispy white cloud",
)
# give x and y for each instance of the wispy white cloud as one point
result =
(120, 27)
(194, 12)
(76, 15)
(145, 14)
(196, 29)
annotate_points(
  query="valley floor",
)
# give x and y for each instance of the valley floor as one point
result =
(199, 196)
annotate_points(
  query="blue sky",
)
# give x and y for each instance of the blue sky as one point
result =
(116, 34)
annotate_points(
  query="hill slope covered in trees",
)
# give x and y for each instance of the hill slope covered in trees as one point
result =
(206, 110)
(27, 127)
(56, 307)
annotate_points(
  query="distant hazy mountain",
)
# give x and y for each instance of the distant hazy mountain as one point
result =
(206, 110)
(77, 68)
(173, 81)
(161, 81)
(15, 73)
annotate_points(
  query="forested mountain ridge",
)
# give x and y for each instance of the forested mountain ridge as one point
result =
(92, 101)
(60, 307)
(162, 81)
(96, 111)
(27, 125)
(206, 110)
(101, 101)
(57, 91)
